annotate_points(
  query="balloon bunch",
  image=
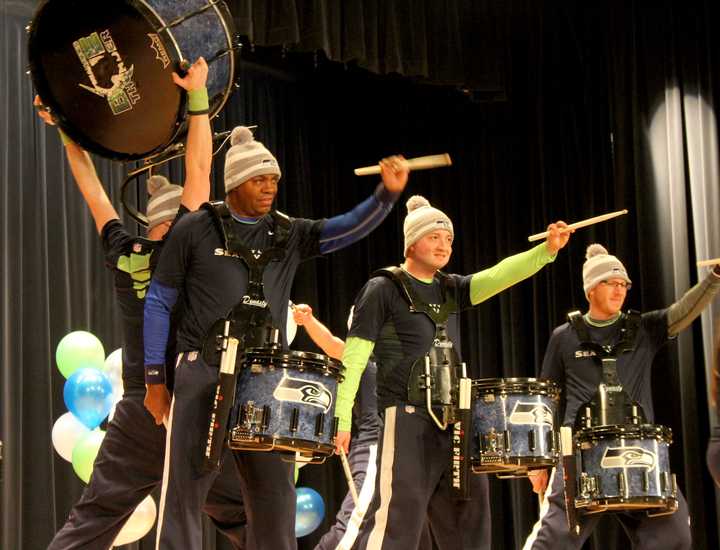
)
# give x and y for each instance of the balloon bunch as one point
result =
(93, 387)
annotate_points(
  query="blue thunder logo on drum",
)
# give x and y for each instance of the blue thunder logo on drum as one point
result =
(298, 390)
(628, 457)
(531, 413)
(109, 76)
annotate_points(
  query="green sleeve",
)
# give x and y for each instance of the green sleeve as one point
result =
(355, 357)
(513, 269)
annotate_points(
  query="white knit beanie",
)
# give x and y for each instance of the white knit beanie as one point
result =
(601, 266)
(164, 200)
(246, 159)
(422, 219)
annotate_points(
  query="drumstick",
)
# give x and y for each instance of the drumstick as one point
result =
(417, 163)
(578, 225)
(348, 476)
(704, 263)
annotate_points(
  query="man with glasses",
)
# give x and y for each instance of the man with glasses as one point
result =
(567, 362)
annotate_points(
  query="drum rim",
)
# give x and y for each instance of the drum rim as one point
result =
(626, 431)
(615, 503)
(541, 385)
(324, 449)
(326, 360)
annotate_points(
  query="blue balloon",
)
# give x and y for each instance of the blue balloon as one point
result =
(88, 395)
(309, 511)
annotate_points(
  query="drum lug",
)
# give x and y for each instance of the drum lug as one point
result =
(531, 440)
(623, 489)
(319, 424)
(294, 420)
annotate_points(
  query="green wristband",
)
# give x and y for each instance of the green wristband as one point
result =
(198, 103)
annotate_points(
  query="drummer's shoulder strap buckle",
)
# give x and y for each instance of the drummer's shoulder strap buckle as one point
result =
(631, 324)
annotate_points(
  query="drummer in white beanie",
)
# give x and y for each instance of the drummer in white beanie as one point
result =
(579, 372)
(217, 268)
(403, 315)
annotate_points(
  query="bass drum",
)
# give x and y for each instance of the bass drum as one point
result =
(104, 68)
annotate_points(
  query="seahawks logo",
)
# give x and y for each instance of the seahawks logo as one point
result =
(298, 390)
(628, 457)
(531, 413)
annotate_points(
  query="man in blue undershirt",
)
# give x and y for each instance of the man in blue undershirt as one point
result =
(211, 281)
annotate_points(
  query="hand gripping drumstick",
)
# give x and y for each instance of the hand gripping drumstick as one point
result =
(418, 163)
(348, 476)
(578, 225)
(704, 263)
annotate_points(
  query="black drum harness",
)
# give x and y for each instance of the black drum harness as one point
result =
(611, 404)
(439, 380)
(248, 324)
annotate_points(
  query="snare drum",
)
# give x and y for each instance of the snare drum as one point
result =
(285, 401)
(514, 425)
(625, 468)
(104, 68)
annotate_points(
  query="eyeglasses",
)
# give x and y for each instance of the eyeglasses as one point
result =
(617, 284)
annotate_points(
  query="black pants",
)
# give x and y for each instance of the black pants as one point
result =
(671, 532)
(413, 488)
(266, 480)
(128, 467)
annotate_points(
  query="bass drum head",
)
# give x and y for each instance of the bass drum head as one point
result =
(106, 75)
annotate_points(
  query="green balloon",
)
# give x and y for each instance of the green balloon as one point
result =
(79, 350)
(84, 453)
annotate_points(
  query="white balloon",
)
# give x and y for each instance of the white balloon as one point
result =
(113, 364)
(291, 328)
(138, 524)
(66, 431)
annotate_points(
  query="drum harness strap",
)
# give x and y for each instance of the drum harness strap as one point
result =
(609, 404)
(439, 378)
(248, 324)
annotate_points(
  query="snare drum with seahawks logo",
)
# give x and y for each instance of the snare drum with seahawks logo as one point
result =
(514, 425)
(625, 467)
(285, 401)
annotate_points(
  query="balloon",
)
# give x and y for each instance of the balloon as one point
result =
(88, 395)
(66, 432)
(309, 511)
(79, 350)
(291, 328)
(138, 524)
(84, 453)
(113, 364)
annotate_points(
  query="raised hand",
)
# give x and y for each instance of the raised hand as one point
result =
(195, 78)
(394, 173)
(556, 238)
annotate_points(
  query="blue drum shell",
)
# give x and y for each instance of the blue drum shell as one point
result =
(643, 461)
(526, 418)
(283, 389)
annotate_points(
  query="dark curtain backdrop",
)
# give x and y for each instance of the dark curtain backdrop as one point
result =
(580, 84)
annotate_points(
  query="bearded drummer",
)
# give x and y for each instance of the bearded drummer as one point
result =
(401, 314)
(568, 363)
(238, 258)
